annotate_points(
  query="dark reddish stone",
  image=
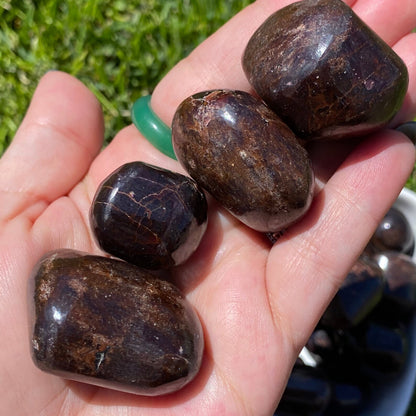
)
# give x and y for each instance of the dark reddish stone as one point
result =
(360, 292)
(399, 296)
(393, 233)
(149, 216)
(326, 73)
(245, 156)
(106, 322)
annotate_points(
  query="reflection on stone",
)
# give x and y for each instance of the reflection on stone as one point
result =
(109, 323)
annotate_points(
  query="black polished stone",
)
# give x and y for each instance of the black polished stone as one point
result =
(308, 392)
(149, 216)
(347, 398)
(106, 322)
(360, 292)
(324, 71)
(409, 129)
(322, 342)
(393, 233)
(399, 296)
(384, 349)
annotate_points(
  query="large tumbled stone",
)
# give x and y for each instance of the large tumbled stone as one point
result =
(106, 322)
(324, 71)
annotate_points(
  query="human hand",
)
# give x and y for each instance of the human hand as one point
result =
(257, 304)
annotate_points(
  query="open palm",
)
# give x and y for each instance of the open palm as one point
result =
(257, 303)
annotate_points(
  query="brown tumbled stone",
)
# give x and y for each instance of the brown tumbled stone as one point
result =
(106, 322)
(236, 148)
(324, 71)
(149, 216)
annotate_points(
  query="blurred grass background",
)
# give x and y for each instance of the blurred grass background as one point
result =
(120, 49)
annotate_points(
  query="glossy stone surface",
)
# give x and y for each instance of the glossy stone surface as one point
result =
(322, 343)
(399, 296)
(384, 349)
(393, 233)
(106, 322)
(245, 156)
(346, 399)
(308, 392)
(409, 129)
(149, 216)
(324, 72)
(360, 292)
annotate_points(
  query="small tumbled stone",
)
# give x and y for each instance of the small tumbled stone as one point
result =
(324, 71)
(237, 149)
(385, 349)
(358, 295)
(393, 233)
(106, 322)
(409, 129)
(149, 216)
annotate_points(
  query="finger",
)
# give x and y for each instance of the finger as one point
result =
(216, 63)
(53, 148)
(335, 231)
(377, 13)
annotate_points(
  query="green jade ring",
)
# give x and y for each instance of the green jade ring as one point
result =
(151, 126)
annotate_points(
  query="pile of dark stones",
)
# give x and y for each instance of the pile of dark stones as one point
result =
(361, 344)
(117, 320)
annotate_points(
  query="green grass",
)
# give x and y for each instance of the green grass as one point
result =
(120, 49)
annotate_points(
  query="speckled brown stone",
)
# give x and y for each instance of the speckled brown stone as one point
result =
(236, 148)
(105, 322)
(394, 232)
(149, 216)
(326, 73)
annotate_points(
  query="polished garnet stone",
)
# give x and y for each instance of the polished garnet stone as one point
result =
(324, 71)
(393, 233)
(149, 216)
(237, 149)
(106, 322)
